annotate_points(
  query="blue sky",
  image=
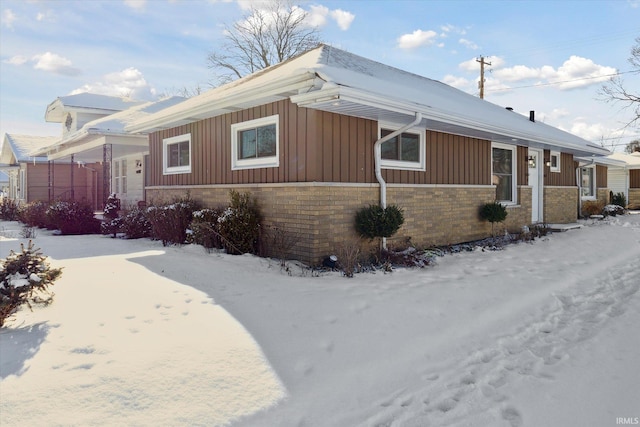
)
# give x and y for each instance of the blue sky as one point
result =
(153, 47)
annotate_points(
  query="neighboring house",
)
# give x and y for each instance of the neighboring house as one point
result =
(4, 184)
(93, 134)
(625, 178)
(322, 135)
(34, 178)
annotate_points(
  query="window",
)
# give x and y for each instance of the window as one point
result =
(504, 172)
(587, 182)
(554, 161)
(255, 143)
(176, 154)
(404, 151)
(123, 177)
(116, 177)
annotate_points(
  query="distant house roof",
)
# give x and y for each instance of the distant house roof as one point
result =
(111, 125)
(19, 147)
(88, 102)
(330, 79)
(630, 161)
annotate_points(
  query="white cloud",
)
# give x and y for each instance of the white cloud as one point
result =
(457, 82)
(54, 63)
(416, 39)
(573, 73)
(343, 18)
(8, 18)
(318, 14)
(129, 83)
(589, 131)
(137, 5)
(468, 43)
(16, 60)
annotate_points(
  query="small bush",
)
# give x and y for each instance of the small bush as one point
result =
(8, 209)
(73, 217)
(375, 221)
(493, 212)
(169, 223)
(239, 224)
(280, 241)
(22, 276)
(34, 214)
(203, 229)
(592, 207)
(134, 224)
(618, 199)
(613, 210)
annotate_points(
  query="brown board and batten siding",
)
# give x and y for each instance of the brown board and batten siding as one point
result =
(317, 146)
(601, 176)
(634, 178)
(567, 175)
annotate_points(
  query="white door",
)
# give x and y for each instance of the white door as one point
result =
(535, 182)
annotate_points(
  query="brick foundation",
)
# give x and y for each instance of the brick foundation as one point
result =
(634, 198)
(560, 205)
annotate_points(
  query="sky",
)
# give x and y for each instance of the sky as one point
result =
(548, 56)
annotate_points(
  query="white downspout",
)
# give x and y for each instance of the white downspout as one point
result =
(377, 156)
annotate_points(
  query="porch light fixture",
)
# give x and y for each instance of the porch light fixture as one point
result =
(547, 162)
(532, 161)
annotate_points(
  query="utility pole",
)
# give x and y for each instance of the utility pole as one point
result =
(481, 82)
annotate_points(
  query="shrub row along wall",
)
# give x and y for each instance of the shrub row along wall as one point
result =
(322, 215)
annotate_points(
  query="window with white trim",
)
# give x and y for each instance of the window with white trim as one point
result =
(176, 154)
(255, 143)
(588, 182)
(503, 172)
(123, 176)
(554, 161)
(404, 151)
(116, 176)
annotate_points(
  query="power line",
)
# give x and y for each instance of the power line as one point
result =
(564, 81)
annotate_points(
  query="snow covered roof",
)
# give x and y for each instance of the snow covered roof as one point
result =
(20, 146)
(631, 161)
(90, 102)
(330, 79)
(113, 124)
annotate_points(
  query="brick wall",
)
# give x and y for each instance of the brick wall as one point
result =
(322, 214)
(602, 195)
(560, 205)
(634, 198)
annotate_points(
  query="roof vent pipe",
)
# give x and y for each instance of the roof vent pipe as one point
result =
(509, 108)
(532, 116)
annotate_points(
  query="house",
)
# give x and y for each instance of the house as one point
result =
(93, 137)
(34, 178)
(324, 134)
(4, 184)
(625, 177)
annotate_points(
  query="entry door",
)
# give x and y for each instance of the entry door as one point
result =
(535, 182)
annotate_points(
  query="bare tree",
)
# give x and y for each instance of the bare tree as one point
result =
(268, 34)
(633, 146)
(615, 90)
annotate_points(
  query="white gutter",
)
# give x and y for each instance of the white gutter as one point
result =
(377, 156)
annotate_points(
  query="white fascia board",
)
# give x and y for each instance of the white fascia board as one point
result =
(603, 161)
(336, 93)
(250, 93)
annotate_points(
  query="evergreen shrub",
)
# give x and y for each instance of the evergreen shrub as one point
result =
(169, 223)
(34, 214)
(375, 221)
(9, 209)
(618, 199)
(239, 224)
(73, 217)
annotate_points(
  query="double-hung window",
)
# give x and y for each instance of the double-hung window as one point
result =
(404, 151)
(588, 182)
(504, 172)
(255, 143)
(176, 154)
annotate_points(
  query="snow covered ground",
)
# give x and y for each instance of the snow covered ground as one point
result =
(541, 334)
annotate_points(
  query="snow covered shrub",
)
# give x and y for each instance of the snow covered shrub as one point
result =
(239, 224)
(203, 229)
(134, 224)
(375, 221)
(73, 217)
(618, 199)
(592, 207)
(24, 275)
(493, 212)
(34, 214)
(112, 223)
(169, 223)
(613, 210)
(8, 209)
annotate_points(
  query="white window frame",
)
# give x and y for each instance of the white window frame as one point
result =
(514, 172)
(421, 164)
(116, 176)
(259, 162)
(123, 175)
(166, 169)
(592, 186)
(555, 168)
